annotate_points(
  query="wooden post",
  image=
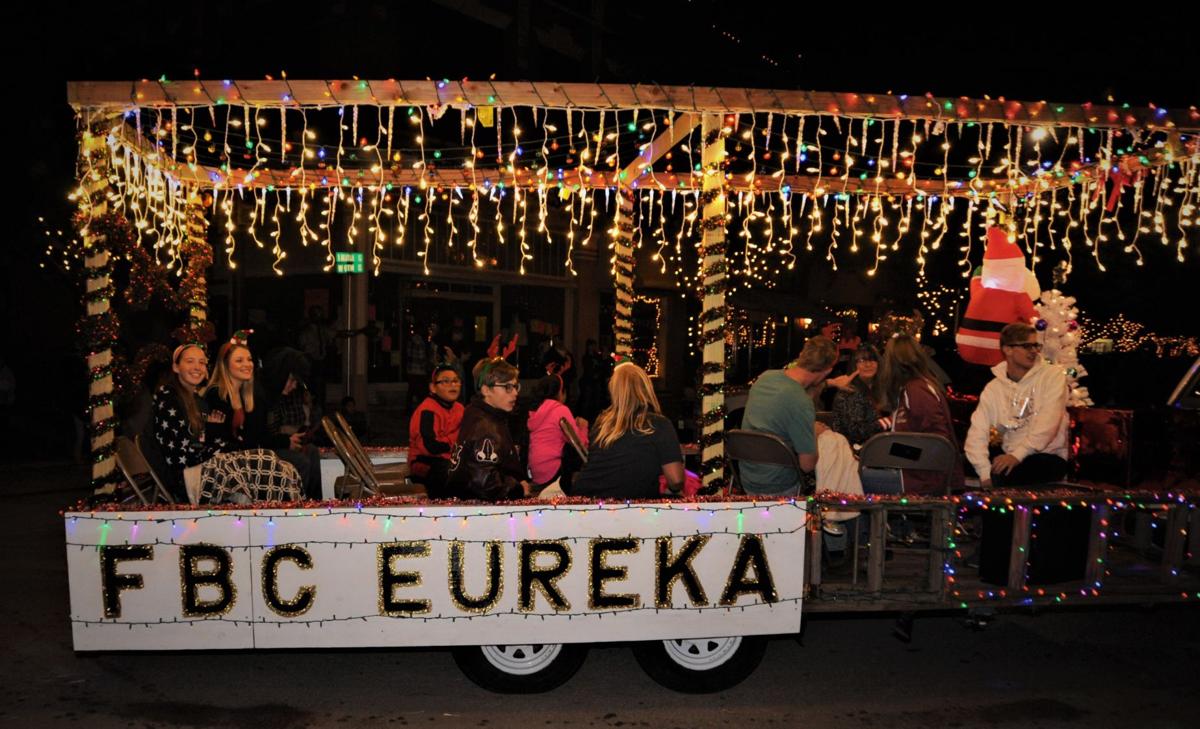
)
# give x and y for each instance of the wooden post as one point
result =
(939, 527)
(1193, 553)
(1174, 542)
(877, 551)
(1097, 553)
(1019, 554)
(623, 261)
(198, 255)
(623, 273)
(712, 317)
(816, 537)
(93, 203)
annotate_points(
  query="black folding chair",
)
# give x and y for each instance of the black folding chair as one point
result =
(372, 480)
(138, 475)
(572, 437)
(757, 447)
(910, 451)
(169, 490)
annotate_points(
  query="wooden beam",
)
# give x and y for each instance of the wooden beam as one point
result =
(643, 165)
(586, 178)
(123, 95)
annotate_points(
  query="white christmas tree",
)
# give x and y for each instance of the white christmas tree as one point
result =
(1061, 335)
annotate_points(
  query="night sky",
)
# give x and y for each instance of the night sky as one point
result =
(1015, 51)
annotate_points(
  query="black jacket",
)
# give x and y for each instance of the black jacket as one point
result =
(486, 462)
(253, 433)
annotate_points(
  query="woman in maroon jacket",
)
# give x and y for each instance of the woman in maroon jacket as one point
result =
(917, 401)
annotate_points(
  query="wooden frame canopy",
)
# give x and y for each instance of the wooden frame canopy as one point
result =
(286, 93)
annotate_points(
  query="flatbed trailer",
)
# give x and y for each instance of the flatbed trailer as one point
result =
(519, 590)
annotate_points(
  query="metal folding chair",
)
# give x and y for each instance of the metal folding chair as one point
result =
(572, 437)
(910, 451)
(757, 447)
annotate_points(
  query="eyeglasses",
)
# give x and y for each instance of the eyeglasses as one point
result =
(455, 381)
(1028, 346)
(508, 386)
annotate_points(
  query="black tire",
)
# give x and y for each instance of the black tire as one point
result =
(700, 666)
(521, 669)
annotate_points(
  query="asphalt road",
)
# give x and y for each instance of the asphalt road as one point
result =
(1114, 668)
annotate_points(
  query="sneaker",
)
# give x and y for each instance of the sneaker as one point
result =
(833, 529)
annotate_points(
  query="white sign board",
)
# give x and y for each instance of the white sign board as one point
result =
(435, 575)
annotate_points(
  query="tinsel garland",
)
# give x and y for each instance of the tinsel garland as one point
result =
(111, 236)
(195, 332)
(147, 356)
(715, 269)
(149, 282)
(716, 415)
(385, 501)
(990, 499)
(711, 336)
(714, 222)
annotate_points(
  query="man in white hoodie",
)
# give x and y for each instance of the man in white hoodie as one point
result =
(1025, 408)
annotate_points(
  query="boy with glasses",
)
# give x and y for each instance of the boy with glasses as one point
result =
(1023, 411)
(486, 462)
(433, 431)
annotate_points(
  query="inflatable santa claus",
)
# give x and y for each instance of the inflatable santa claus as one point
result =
(1002, 292)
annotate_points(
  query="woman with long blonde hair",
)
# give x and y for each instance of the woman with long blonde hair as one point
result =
(632, 444)
(231, 392)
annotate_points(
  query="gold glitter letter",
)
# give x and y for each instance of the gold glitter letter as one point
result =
(389, 580)
(111, 582)
(668, 569)
(750, 554)
(544, 577)
(193, 578)
(304, 598)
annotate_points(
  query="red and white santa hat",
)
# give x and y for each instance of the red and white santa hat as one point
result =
(1003, 262)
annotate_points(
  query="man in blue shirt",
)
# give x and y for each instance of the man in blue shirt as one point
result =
(779, 403)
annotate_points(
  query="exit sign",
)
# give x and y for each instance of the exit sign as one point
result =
(348, 262)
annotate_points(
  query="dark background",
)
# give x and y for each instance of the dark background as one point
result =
(1019, 52)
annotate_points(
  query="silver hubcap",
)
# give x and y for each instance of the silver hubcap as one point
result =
(521, 660)
(702, 654)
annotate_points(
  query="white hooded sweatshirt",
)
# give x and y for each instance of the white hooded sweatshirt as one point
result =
(1031, 414)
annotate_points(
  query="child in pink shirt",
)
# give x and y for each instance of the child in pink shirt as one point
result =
(551, 456)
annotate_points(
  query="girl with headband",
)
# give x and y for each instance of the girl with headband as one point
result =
(200, 460)
(551, 456)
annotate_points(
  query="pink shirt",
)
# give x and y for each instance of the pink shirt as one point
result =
(546, 440)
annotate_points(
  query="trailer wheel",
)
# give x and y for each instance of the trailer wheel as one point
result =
(700, 665)
(520, 669)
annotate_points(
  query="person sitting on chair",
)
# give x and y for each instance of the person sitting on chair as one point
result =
(911, 391)
(551, 455)
(231, 392)
(855, 410)
(433, 431)
(780, 403)
(632, 443)
(486, 462)
(1023, 411)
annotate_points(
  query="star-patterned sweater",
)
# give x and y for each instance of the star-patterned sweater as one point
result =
(180, 447)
